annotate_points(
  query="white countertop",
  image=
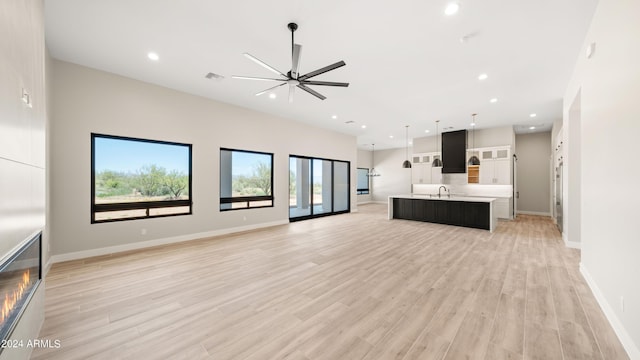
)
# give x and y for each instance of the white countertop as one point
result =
(444, 197)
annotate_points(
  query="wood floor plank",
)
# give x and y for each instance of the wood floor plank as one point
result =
(352, 286)
(472, 339)
(508, 328)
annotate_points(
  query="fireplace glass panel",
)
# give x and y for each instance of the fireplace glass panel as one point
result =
(20, 275)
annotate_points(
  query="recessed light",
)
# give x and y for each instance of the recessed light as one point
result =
(364, 126)
(410, 142)
(532, 127)
(153, 56)
(533, 115)
(473, 124)
(334, 116)
(494, 100)
(426, 131)
(390, 136)
(451, 9)
(272, 96)
(483, 76)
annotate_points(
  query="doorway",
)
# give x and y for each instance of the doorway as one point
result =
(317, 187)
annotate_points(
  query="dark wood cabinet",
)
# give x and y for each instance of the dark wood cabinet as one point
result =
(459, 213)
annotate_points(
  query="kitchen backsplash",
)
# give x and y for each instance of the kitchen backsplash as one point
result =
(454, 179)
(465, 189)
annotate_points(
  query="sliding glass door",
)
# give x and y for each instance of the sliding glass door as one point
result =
(317, 187)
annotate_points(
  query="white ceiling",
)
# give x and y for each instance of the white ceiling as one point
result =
(405, 62)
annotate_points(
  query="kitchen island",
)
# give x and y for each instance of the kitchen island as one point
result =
(473, 212)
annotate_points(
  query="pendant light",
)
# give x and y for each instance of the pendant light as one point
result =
(437, 162)
(406, 164)
(373, 172)
(473, 160)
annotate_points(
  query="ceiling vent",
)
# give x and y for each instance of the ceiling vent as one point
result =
(213, 76)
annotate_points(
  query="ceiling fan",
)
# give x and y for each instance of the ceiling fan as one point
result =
(293, 77)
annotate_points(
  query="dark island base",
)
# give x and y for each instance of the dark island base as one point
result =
(460, 213)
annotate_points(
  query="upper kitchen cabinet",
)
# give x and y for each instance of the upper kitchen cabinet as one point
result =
(454, 150)
(495, 166)
(422, 172)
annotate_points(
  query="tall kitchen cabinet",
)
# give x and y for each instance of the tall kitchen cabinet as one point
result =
(421, 170)
(495, 166)
(494, 169)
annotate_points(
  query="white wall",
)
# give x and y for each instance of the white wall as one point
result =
(534, 173)
(22, 146)
(498, 136)
(393, 179)
(609, 84)
(364, 161)
(87, 100)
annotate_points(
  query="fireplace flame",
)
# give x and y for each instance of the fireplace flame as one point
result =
(10, 300)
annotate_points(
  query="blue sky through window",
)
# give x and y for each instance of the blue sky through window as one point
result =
(129, 156)
(244, 163)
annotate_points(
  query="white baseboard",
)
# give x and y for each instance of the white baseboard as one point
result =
(570, 244)
(156, 242)
(539, 213)
(616, 324)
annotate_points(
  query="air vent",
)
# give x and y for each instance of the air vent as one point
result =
(213, 76)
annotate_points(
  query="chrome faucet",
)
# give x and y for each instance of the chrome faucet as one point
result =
(440, 188)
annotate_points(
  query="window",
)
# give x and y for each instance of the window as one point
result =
(246, 179)
(138, 178)
(363, 181)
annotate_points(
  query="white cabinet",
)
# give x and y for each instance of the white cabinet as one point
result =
(495, 166)
(420, 173)
(436, 175)
(421, 170)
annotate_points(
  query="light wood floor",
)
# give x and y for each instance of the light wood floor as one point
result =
(353, 286)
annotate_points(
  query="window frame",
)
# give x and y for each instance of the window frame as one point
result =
(368, 189)
(139, 205)
(246, 199)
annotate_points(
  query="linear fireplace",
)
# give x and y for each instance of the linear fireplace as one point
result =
(20, 275)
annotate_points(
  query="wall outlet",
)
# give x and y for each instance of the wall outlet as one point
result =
(622, 303)
(143, 232)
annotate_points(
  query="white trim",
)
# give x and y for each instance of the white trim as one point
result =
(539, 213)
(632, 350)
(570, 244)
(163, 241)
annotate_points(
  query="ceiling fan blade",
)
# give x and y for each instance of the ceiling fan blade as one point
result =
(322, 70)
(295, 60)
(312, 92)
(269, 89)
(292, 90)
(264, 64)
(325, 83)
(256, 78)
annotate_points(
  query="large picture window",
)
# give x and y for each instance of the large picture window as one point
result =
(138, 178)
(363, 181)
(246, 179)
